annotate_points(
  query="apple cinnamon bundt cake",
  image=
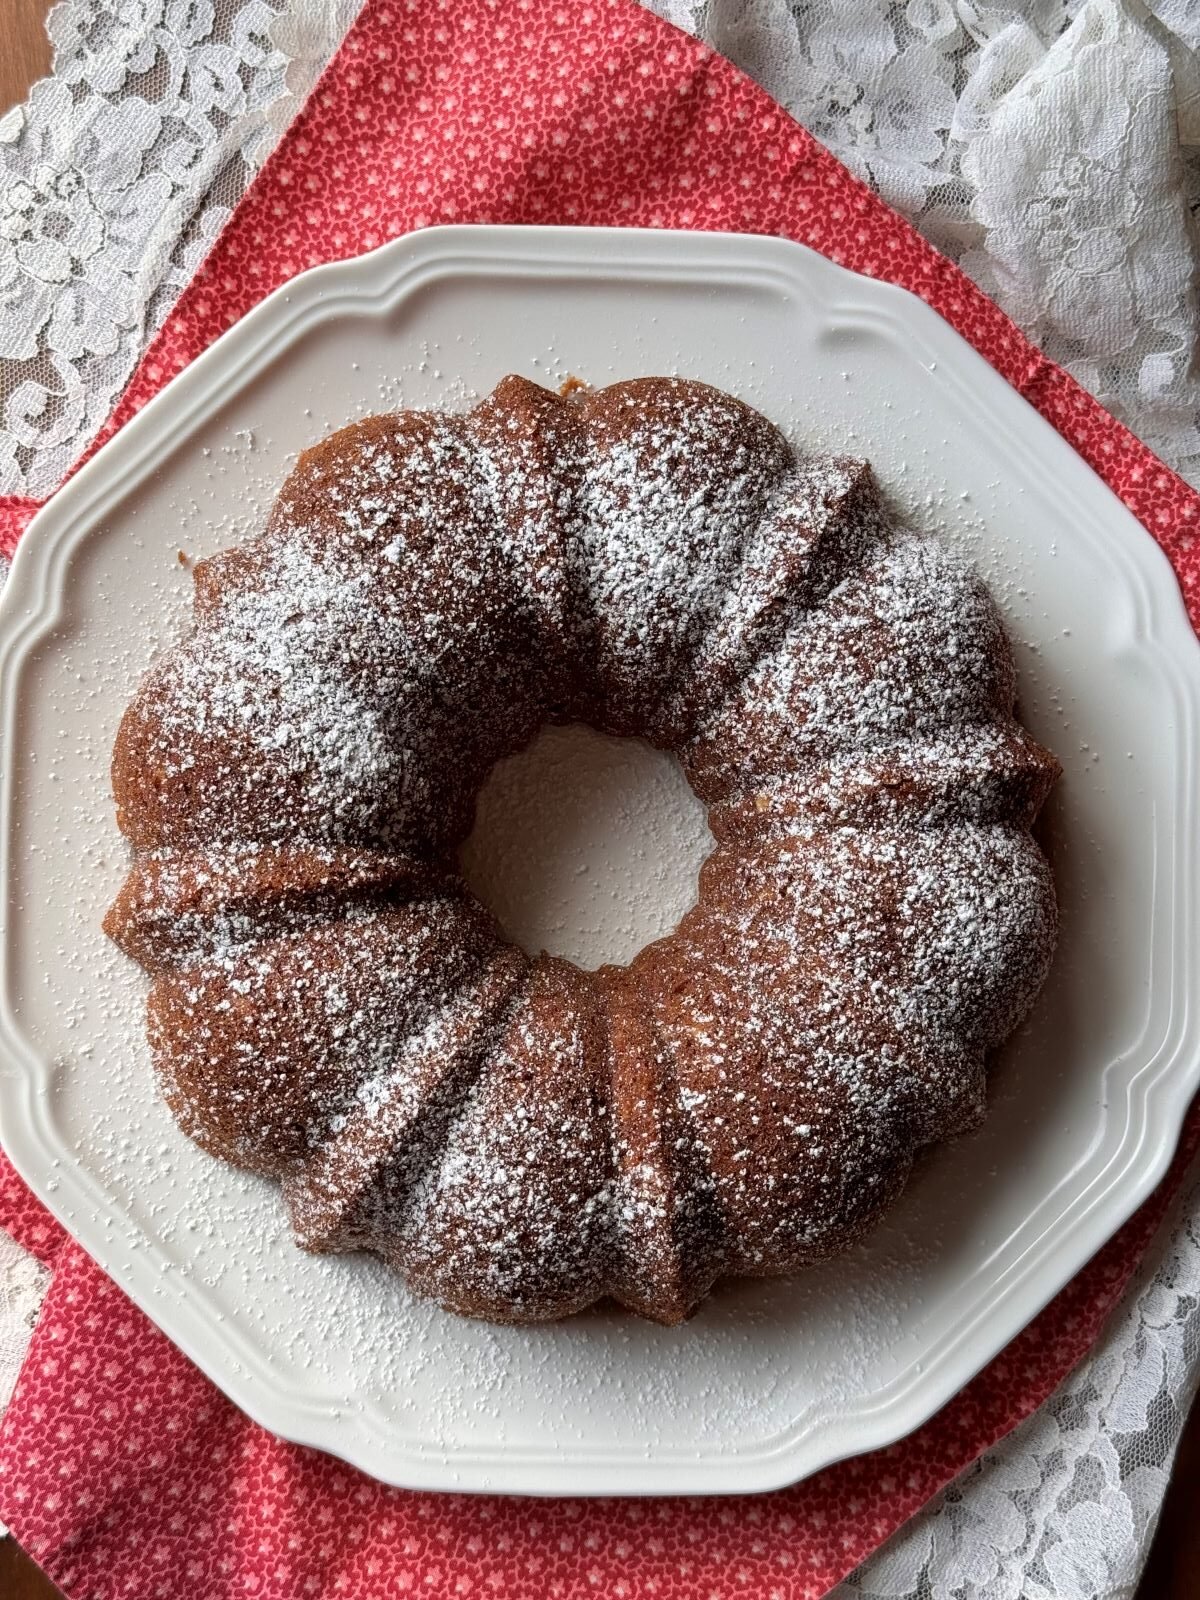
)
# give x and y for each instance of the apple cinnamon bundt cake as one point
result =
(330, 1005)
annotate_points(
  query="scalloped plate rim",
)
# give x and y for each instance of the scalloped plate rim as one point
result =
(1161, 1088)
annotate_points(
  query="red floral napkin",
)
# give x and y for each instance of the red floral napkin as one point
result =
(122, 1470)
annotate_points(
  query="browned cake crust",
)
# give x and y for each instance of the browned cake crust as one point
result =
(331, 1007)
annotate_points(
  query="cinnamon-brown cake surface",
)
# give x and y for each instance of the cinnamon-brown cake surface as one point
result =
(329, 1004)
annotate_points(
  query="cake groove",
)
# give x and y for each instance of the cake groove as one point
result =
(329, 1005)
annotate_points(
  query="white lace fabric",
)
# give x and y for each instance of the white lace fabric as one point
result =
(1065, 1506)
(1052, 148)
(23, 1281)
(115, 178)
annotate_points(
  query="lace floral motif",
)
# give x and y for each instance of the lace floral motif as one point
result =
(1064, 1507)
(1052, 148)
(114, 179)
(1080, 187)
(23, 1282)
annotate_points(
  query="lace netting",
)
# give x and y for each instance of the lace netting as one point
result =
(115, 177)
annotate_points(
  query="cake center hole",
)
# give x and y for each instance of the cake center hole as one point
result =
(586, 846)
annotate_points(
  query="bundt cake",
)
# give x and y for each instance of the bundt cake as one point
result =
(330, 1005)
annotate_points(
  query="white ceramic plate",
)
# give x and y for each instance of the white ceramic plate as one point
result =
(770, 1381)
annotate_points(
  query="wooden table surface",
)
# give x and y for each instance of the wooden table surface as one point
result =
(24, 54)
(1173, 1570)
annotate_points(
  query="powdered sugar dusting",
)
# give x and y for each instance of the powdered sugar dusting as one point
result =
(746, 1095)
(278, 666)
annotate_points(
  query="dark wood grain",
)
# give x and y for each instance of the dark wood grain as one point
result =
(19, 1578)
(1172, 1571)
(24, 51)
